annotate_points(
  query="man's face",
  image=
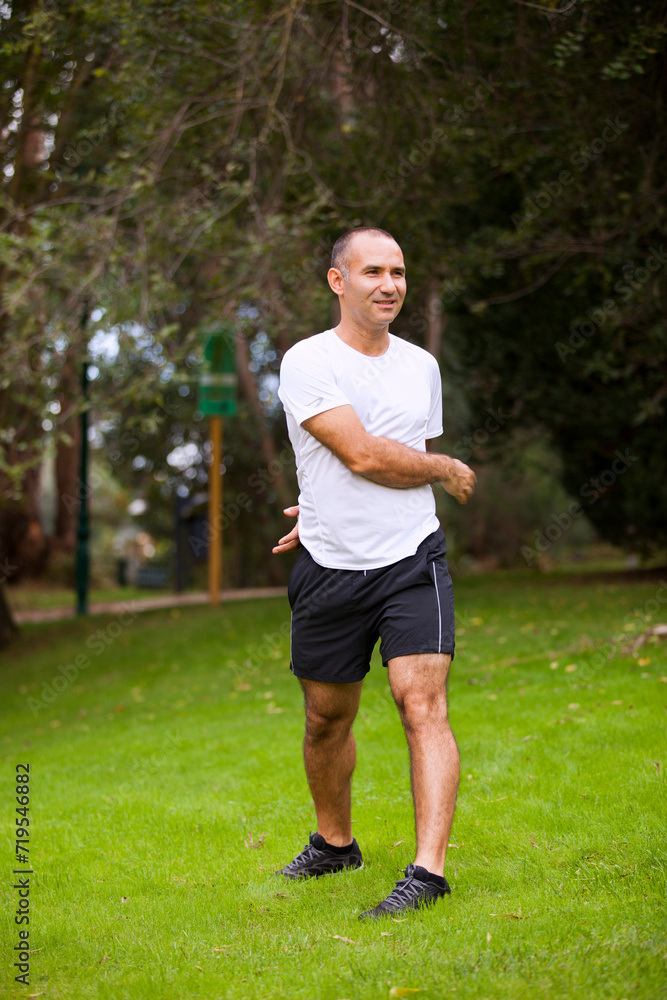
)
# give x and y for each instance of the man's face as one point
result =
(373, 293)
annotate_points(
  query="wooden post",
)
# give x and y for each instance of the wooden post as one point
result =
(214, 513)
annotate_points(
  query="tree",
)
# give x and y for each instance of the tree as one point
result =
(562, 317)
(176, 163)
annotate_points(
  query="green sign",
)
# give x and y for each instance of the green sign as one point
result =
(218, 380)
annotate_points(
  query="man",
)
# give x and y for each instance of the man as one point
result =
(360, 405)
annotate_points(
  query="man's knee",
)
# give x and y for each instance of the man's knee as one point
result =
(421, 708)
(325, 725)
(330, 709)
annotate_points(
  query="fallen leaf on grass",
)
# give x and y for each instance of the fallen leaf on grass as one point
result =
(570, 668)
(532, 841)
(339, 937)
(510, 916)
(644, 661)
(281, 895)
(249, 842)
(199, 968)
(386, 933)
(488, 938)
(396, 845)
(403, 991)
(656, 766)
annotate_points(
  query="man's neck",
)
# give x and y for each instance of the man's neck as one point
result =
(373, 342)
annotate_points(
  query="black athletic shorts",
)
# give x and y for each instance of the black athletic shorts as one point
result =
(338, 615)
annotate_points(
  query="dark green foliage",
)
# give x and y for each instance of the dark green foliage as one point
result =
(206, 156)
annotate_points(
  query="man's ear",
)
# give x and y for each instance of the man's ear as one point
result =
(336, 280)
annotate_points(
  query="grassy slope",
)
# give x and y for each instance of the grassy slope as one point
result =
(181, 741)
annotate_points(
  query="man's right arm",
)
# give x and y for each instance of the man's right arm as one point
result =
(384, 461)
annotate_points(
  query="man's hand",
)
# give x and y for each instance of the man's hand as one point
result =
(461, 481)
(290, 541)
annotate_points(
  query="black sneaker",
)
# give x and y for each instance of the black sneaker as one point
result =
(410, 893)
(317, 859)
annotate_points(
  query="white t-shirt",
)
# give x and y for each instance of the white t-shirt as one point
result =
(346, 521)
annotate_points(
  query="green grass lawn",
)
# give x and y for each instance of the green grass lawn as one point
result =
(167, 785)
(27, 597)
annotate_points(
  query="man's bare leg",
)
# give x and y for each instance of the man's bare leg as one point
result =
(418, 684)
(330, 754)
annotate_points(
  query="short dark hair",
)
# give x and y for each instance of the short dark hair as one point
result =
(341, 248)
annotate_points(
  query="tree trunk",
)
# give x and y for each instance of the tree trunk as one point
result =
(267, 444)
(67, 459)
(23, 545)
(269, 451)
(8, 628)
(436, 320)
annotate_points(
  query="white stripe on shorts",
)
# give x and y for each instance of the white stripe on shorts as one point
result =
(435, 581)
(290, 636)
